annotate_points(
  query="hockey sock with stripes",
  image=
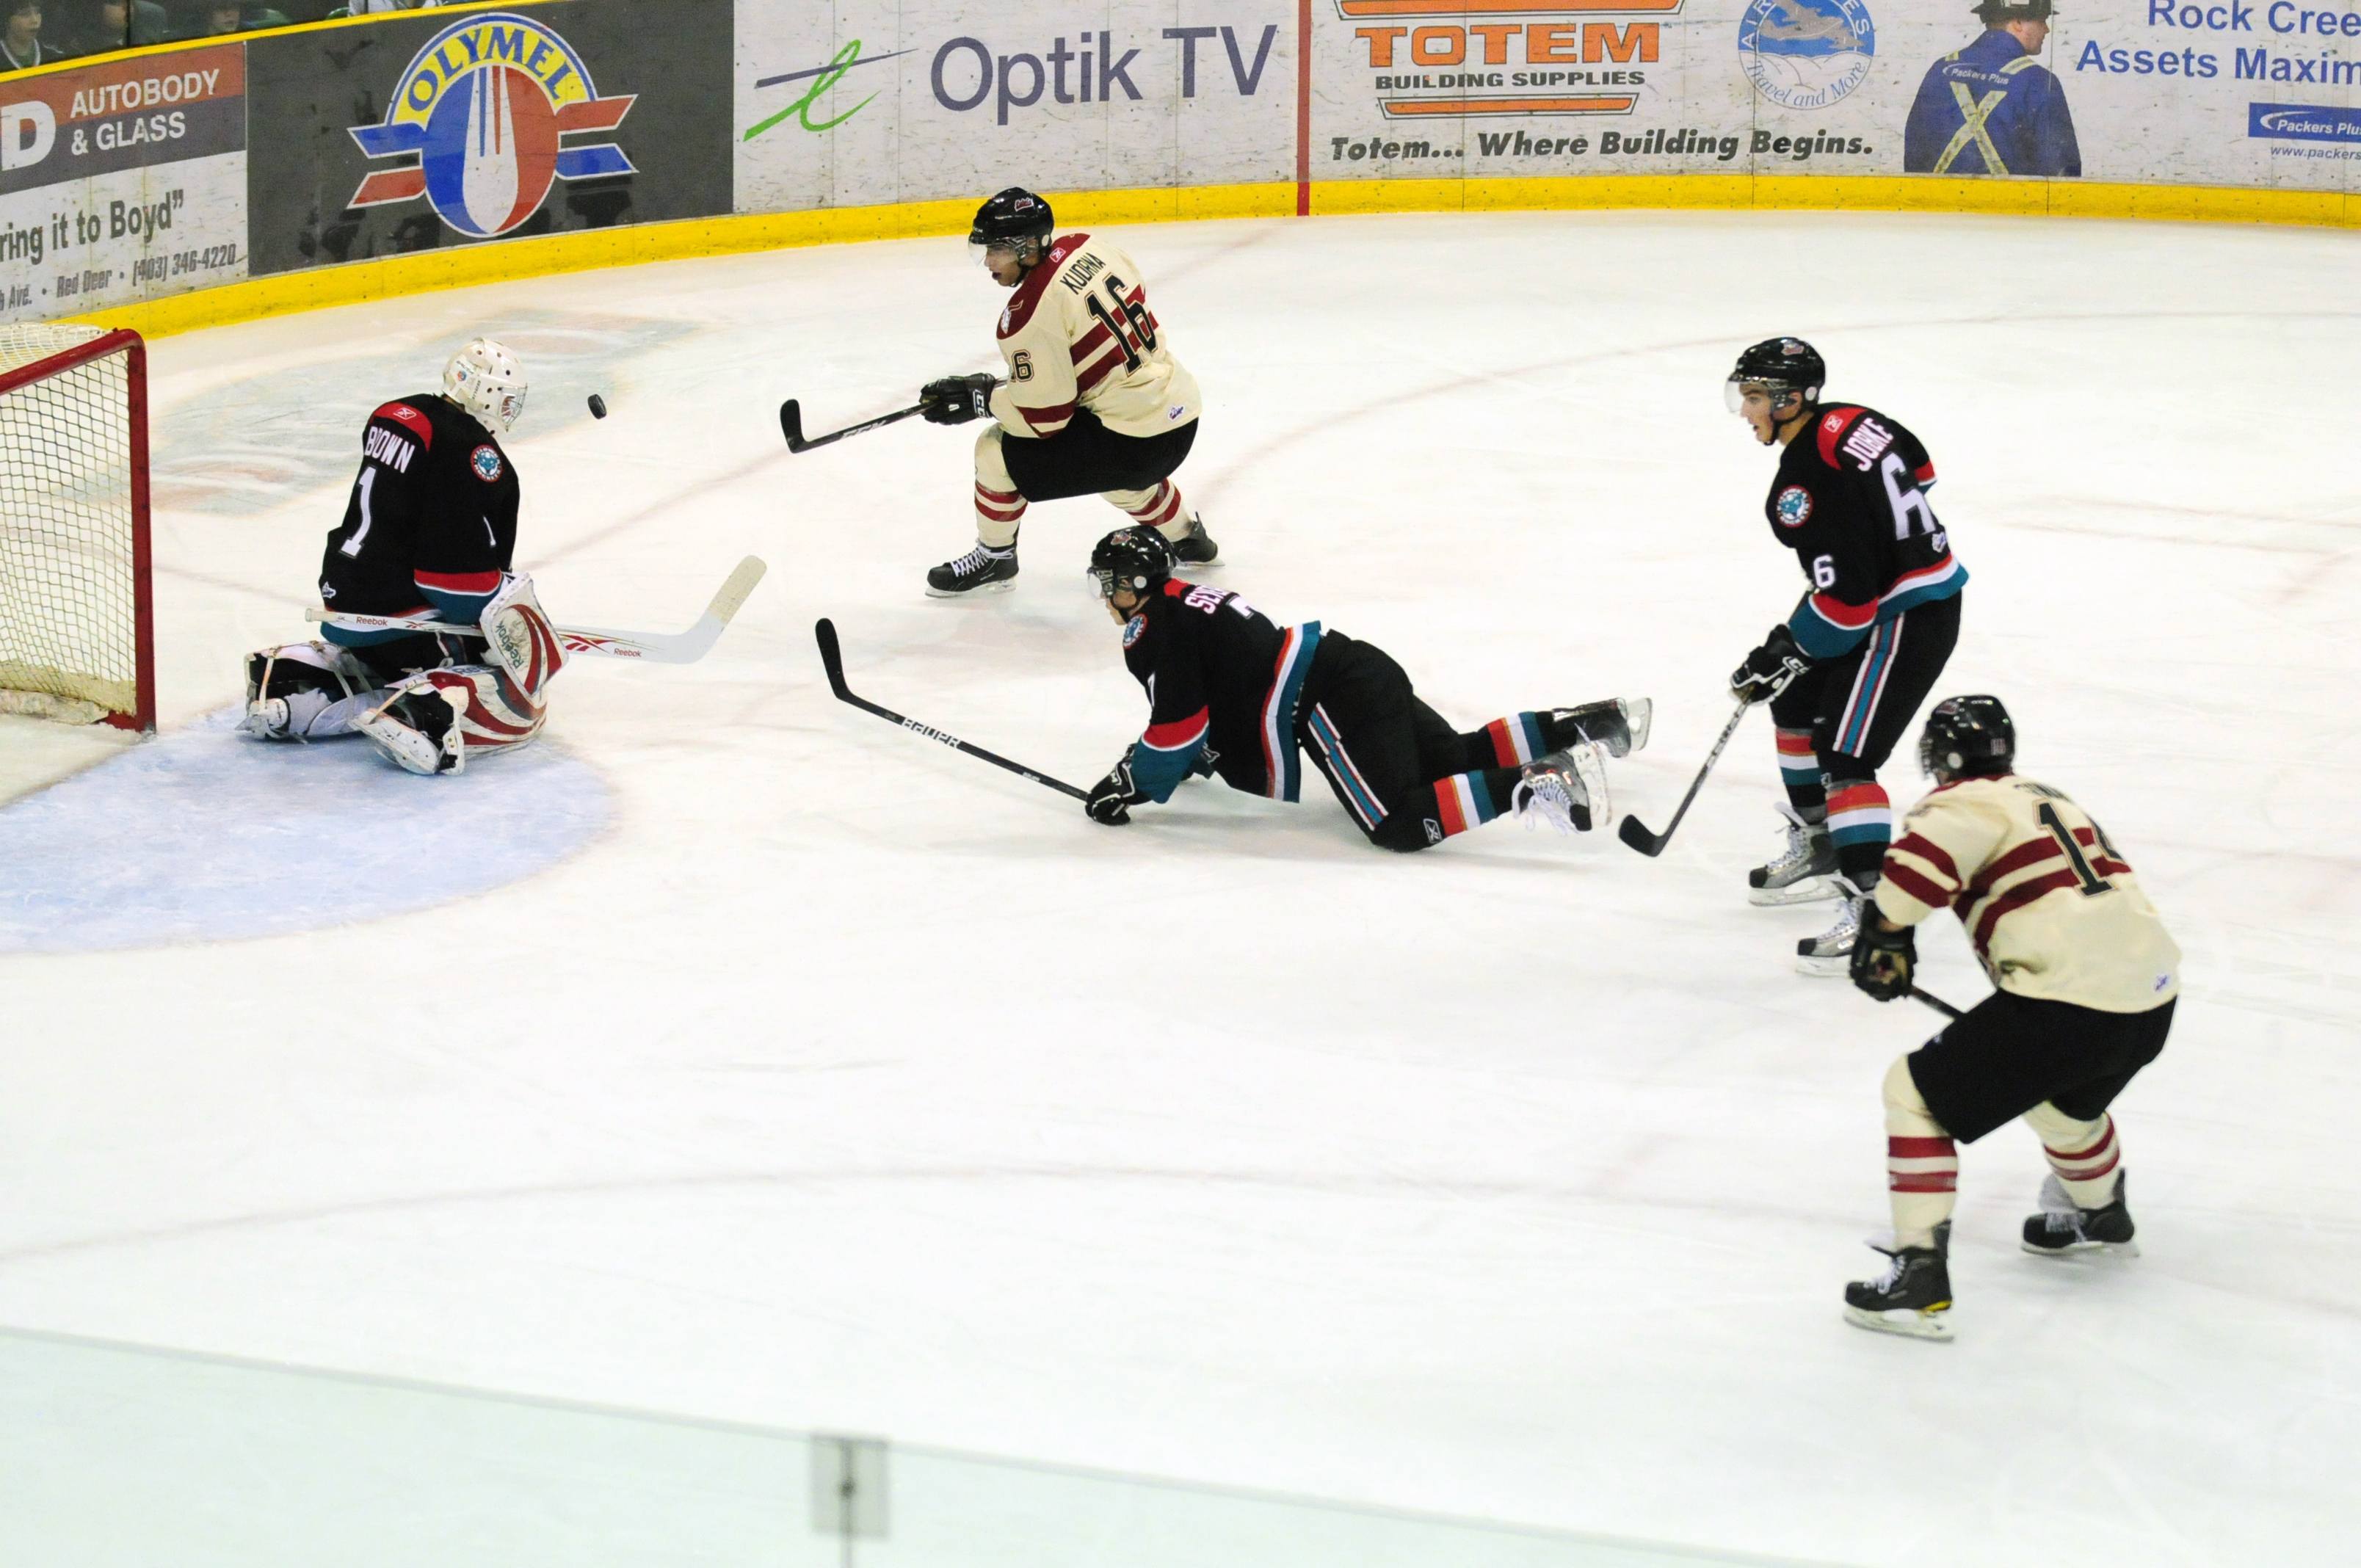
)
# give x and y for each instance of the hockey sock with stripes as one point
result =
(1470, 800)
(1161, 510)
(1799, 770)
(2086, 1155)
(1922, 1163)
(1860, 821)
(1512, 741)
(997, 515)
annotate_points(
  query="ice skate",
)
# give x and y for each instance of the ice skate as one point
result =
(1619, 724)
(2062, 1229)
(1912, 1296)
(1196, 547)
(981, 570)
(1566, 789)
(1803, 872)
(1831, 952)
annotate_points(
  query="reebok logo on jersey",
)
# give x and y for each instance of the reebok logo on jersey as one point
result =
(1794, 506)
(486, 462)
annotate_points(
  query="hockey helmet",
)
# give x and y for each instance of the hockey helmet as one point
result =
(486, 379)
(1010, 221)
(1780, 364)
(1968, 736)
(1133, 558)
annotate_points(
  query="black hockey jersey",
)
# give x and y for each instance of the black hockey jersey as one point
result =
(1851, 502)
(1223, 685)
(431, 522)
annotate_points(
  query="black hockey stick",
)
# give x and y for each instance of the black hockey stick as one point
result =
(1635, 833)
(832, 658)
(1936, 1003)
(791, 424)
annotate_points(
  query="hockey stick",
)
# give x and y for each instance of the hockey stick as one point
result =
(653, 647)
(1936, 1003)
(791, 424)
(832, 658)
(1635, 833)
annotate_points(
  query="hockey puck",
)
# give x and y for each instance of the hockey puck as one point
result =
(597, 406)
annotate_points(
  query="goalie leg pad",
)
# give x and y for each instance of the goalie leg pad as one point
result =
(438, 721)
(306, 691)
(520, 643)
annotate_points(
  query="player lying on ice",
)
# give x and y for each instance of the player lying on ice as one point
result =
(428, 534)
(1232, 694)
(2086, 979)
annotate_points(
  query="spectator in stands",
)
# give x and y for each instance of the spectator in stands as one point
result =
(220, 16)
(124, 24)
(20, 42)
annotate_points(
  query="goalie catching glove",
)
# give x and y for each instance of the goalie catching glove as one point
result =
(1768, 670)
(955, 400)
(1883, 961)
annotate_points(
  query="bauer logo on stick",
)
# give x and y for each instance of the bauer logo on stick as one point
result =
(479, 116)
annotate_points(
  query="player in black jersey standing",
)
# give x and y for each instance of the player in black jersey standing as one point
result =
(429, 534)
(1846, 672)
(1232, 693)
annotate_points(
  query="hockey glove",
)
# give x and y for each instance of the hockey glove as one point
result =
(1112, 798)
(1770, 667)
(1883, 961)
(955, 400)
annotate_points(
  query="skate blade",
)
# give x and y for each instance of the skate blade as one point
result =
(2085, 1249)
(1832, 966)
(1188, 569)
(1811, 890)
(1907, 1322)
(1000, 588)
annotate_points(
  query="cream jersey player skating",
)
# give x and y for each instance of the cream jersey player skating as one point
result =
(1094, 401)
(2087, 981)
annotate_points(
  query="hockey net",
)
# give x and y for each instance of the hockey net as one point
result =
(77, 637)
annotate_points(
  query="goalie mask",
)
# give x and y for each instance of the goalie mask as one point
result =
(486, 379)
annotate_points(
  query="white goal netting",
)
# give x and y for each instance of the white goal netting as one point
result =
(72, 540)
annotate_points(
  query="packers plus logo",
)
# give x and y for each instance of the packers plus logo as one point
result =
(483, 109)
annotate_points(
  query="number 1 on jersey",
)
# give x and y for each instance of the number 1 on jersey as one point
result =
(352, 546)
(2092, 885)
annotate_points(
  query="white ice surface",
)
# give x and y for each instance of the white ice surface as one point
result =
(846, 1083)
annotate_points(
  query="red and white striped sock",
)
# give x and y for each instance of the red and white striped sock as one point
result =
(1161, 510)
(1922, 1181)
(2091, 1171)
(997, 513)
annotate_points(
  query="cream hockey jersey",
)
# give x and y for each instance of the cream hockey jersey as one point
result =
(1077, 332)
(2050, 905)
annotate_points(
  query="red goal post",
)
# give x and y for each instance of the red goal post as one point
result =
(77, 605)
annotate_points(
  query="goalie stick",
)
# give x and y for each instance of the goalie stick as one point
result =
(652, 647)
(832, 658)
(791, 425)
(1635, 833)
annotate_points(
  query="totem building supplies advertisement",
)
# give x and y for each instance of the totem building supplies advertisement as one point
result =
(2259, 93)
(121, 182)
(436, 130)
(862, 101)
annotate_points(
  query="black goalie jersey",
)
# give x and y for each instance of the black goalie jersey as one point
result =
(1851, 502)
(431, 522)
(1223, 683)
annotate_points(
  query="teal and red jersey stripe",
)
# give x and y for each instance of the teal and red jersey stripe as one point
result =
(1282, 764)
(1166, 751)
(1860, 814)
(1516, 740)
(1825, 626)
(1363, 801)
(1463, 801)
(459, 596)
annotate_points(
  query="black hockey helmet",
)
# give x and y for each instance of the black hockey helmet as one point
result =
(1782, 364)
(1011, 218)
(1135, 558)
(1968, 736)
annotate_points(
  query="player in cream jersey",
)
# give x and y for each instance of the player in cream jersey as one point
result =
(2087, 981)
(1094, 402)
